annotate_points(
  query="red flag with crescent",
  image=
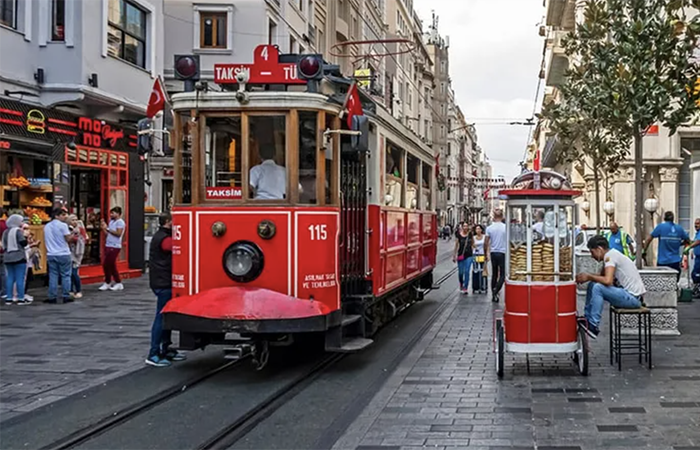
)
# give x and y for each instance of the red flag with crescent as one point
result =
(353, 104)
(156, 102)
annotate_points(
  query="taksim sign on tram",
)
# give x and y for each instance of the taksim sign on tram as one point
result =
(266, 69)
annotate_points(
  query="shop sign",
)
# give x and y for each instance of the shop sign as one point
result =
(167, 172)
(5, 145)
(96, 132)
(36, 122)
(223, 193)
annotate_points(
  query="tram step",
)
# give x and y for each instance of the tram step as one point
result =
(352, 345)
(350, 319)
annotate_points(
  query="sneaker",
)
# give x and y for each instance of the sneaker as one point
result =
(174, 355)
(157, 361)
(117, 287)
(590, 329)
(24, 301)
(28, 298)
(8, 301)
(105, 287)
(78, 295)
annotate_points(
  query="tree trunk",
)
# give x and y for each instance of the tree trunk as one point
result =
(639, 194)
(596, 185)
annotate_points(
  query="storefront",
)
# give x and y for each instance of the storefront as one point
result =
(51, 158)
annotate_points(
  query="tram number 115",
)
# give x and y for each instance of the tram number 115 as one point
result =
(318, 232)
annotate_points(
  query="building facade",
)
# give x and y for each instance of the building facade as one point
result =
(671, 165)
(75, 77)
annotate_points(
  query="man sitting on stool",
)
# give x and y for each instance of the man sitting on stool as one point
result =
(620, 284)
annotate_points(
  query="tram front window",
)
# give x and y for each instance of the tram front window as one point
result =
(223, 155)
(268, 172)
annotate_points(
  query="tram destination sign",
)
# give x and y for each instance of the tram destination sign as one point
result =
(266, 69)
(224, 193)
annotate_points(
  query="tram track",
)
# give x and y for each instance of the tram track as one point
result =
(246, 420)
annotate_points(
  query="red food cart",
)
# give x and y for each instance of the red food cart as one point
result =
(540, 290)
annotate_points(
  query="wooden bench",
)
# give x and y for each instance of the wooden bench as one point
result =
(639, 345)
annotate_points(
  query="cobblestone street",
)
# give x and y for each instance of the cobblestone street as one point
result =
(446, 394)
(52, 351)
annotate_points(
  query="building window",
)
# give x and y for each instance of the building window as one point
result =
(8, 13)
(300, 5)
(58, 20)
(212, 29)
(271, 33)
(320, 41)
(292, 44)
(127, 32)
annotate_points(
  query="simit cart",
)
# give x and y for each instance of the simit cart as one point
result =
(540, 289)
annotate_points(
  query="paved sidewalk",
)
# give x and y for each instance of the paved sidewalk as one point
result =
(48, 352)
(446, 395)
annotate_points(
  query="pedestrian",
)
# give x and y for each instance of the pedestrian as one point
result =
(160, 280)
(113, 246)
(671, 238)
(77, 250)
(32, 254)
(620, 285)
(58, 255)
(463, 256)
(695, 246)
(620, 241)
(495, 250)
(479, 239)
(14, 241)
(3, 227)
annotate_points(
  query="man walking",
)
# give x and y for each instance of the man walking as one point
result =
(58, 255)
(620, 241)
(671, 238)
(618, 268)
(495, 250)
(695, 246)
(113, 246)
(160, 278)
(3, 227)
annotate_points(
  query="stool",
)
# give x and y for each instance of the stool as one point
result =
(636, 345)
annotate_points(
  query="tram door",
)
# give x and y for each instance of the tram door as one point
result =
(353, 207)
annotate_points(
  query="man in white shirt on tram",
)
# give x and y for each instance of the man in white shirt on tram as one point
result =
(620, 284)
(268, 180)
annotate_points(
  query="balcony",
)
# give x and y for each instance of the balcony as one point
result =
(557, 62)
(561, 14)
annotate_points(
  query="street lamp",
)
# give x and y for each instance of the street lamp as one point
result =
(586, 206)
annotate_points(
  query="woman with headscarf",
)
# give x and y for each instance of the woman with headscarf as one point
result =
(77, 249)
(14, 242)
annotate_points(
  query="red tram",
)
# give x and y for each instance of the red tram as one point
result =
(349, 244)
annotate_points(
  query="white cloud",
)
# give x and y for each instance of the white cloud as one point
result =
(495, 55)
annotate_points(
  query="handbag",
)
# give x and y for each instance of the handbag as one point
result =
(461, 258)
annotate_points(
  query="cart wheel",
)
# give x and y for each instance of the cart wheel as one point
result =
(581, 354)
(500, 348)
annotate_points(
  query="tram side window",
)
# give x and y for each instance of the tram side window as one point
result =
(307, 157)
(268, 157)
(223, 157)
(330, 173)
(412, 165)
(394, 177)
(427, 186)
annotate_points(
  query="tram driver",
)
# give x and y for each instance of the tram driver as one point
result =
(620, 283)
(268, 181)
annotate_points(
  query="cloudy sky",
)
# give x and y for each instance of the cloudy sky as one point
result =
(495, 55)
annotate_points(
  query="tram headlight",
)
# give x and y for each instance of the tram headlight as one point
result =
(243, 261)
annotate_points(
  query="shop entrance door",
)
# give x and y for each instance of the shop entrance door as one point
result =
(86, 186)
(116, 183)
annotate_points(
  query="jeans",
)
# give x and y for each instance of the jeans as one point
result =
(463, 267)
(498, 264)
(110, 265)
(696, 270)
(59, 268)
(598, 293)
(160, 338)
(76, 285)
(478, 277)
(675, 266)
(15, 273)
(2, 279)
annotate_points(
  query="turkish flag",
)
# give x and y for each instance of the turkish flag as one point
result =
(536, 162)
(156, 102)
(353, 104)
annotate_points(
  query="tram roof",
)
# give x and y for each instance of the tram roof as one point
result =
(257, 100)
(538, 193)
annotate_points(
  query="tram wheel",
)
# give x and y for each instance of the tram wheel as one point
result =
(500, 348)
(581, 353)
